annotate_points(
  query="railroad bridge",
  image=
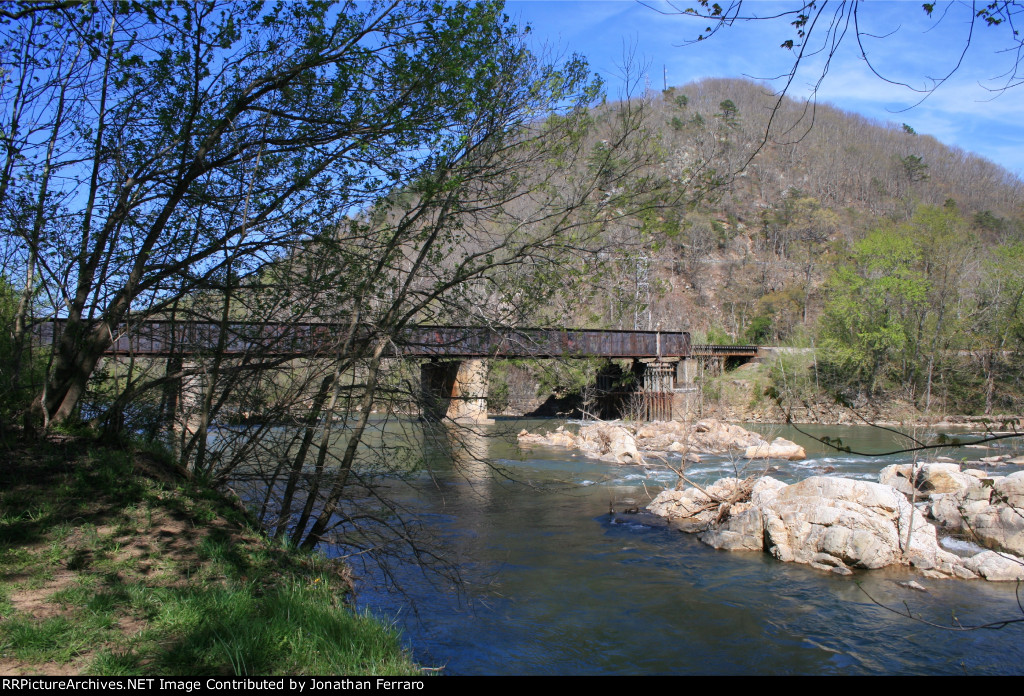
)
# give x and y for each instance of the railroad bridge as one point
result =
(454, 368)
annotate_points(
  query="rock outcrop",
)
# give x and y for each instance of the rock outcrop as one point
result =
(986, 508)
(626, 443)
(779, 448)
(833, 524)
(613, 443)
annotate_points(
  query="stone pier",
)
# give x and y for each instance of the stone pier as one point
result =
(455, 390)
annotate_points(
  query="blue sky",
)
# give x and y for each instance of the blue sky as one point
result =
(910, 48)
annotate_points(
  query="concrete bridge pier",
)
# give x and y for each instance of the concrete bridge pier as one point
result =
(686, 372)
(184, 395)
(455, 390)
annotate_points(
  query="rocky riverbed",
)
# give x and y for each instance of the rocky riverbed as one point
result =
(831, 523)
(629, 443)
(838, 524)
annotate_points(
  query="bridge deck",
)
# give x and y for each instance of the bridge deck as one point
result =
(272, 339)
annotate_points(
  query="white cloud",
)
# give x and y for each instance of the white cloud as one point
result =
(959, 112)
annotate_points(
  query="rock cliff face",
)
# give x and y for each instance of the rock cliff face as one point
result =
(838, 524)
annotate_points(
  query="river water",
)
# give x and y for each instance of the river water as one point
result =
(554, 584)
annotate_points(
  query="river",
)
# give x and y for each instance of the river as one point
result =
(554, 584)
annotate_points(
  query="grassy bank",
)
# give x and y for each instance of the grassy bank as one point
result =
(113, 563)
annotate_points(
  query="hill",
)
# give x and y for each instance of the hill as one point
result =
(793, 224)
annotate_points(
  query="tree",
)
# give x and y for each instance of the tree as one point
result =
(869, 306)
(200, 141)
(997, 327)
(370, 166)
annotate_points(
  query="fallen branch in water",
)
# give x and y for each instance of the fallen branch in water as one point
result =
(957, 626)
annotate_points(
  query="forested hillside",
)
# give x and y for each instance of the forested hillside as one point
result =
(899, 255)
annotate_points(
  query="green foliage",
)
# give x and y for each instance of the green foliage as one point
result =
(1005, 297)
(792, 380)
(302, 630)
(19, 374)
(718, 337)
(869, 306)
(563, 377)
(759, 330)
(9, 401)
(729, 113)
(914, 167)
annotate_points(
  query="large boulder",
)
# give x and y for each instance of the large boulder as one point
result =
(706, 436)
(863, 524)
(990, 510)
(1010, 489)
(610, 442)
(689, 510)
(897, 476)
(718, 437)
(938, 477)
(997, 567)
(932, 478)
(617, 442)
(559, 438)
(779, 448)
(836, 524)
(742, 530)
(999, 527)
(613, 443)
(694, 509)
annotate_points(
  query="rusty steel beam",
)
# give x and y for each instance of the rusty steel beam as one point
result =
(706, 350)
(270, 339)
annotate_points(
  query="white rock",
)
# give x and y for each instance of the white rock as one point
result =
(779, 448)
(862, 523)
(743, 530)
(1011, 488)
(996, 567)
(765, 490)
(937, 477)
(897, 476)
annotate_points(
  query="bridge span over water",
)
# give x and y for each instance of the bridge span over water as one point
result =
(454, 368)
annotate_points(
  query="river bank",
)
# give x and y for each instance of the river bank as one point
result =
(779, 387)
(114, 563)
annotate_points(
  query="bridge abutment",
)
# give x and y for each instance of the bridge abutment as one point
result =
(455, 390)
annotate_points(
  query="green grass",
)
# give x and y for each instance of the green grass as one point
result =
(299, 629)
(140, 576)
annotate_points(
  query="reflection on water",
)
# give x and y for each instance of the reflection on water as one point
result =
(553, 584)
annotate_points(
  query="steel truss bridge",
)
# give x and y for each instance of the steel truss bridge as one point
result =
(278, 339)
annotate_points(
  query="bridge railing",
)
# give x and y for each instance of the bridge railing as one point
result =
(705, 349)
(164, 338)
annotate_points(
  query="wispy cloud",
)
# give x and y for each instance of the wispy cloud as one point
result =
(901, 41)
